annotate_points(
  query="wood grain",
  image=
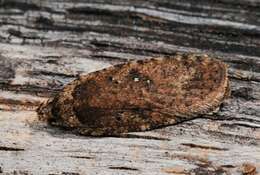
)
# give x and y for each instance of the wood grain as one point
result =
(46, 44)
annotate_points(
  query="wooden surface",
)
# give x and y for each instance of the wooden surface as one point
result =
(46, 44)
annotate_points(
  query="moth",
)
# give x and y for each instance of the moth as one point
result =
(139, 95)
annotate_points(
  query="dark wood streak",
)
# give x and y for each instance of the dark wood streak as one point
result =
(6, 148)
(203, 147)
(123, 168)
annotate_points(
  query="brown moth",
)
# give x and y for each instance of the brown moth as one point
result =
(139, 95)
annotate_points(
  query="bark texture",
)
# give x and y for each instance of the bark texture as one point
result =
(45, 44)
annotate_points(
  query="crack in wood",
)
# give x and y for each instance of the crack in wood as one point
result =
(134, 136)
(123, 168)
(65, 173)
(82, 157)
(192, 145)
(6, 148)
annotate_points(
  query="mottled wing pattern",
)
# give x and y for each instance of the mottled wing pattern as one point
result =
(140, 95)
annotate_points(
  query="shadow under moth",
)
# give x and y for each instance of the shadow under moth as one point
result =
(139, 95)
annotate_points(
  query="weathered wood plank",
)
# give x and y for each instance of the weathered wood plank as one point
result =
(46, 44)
